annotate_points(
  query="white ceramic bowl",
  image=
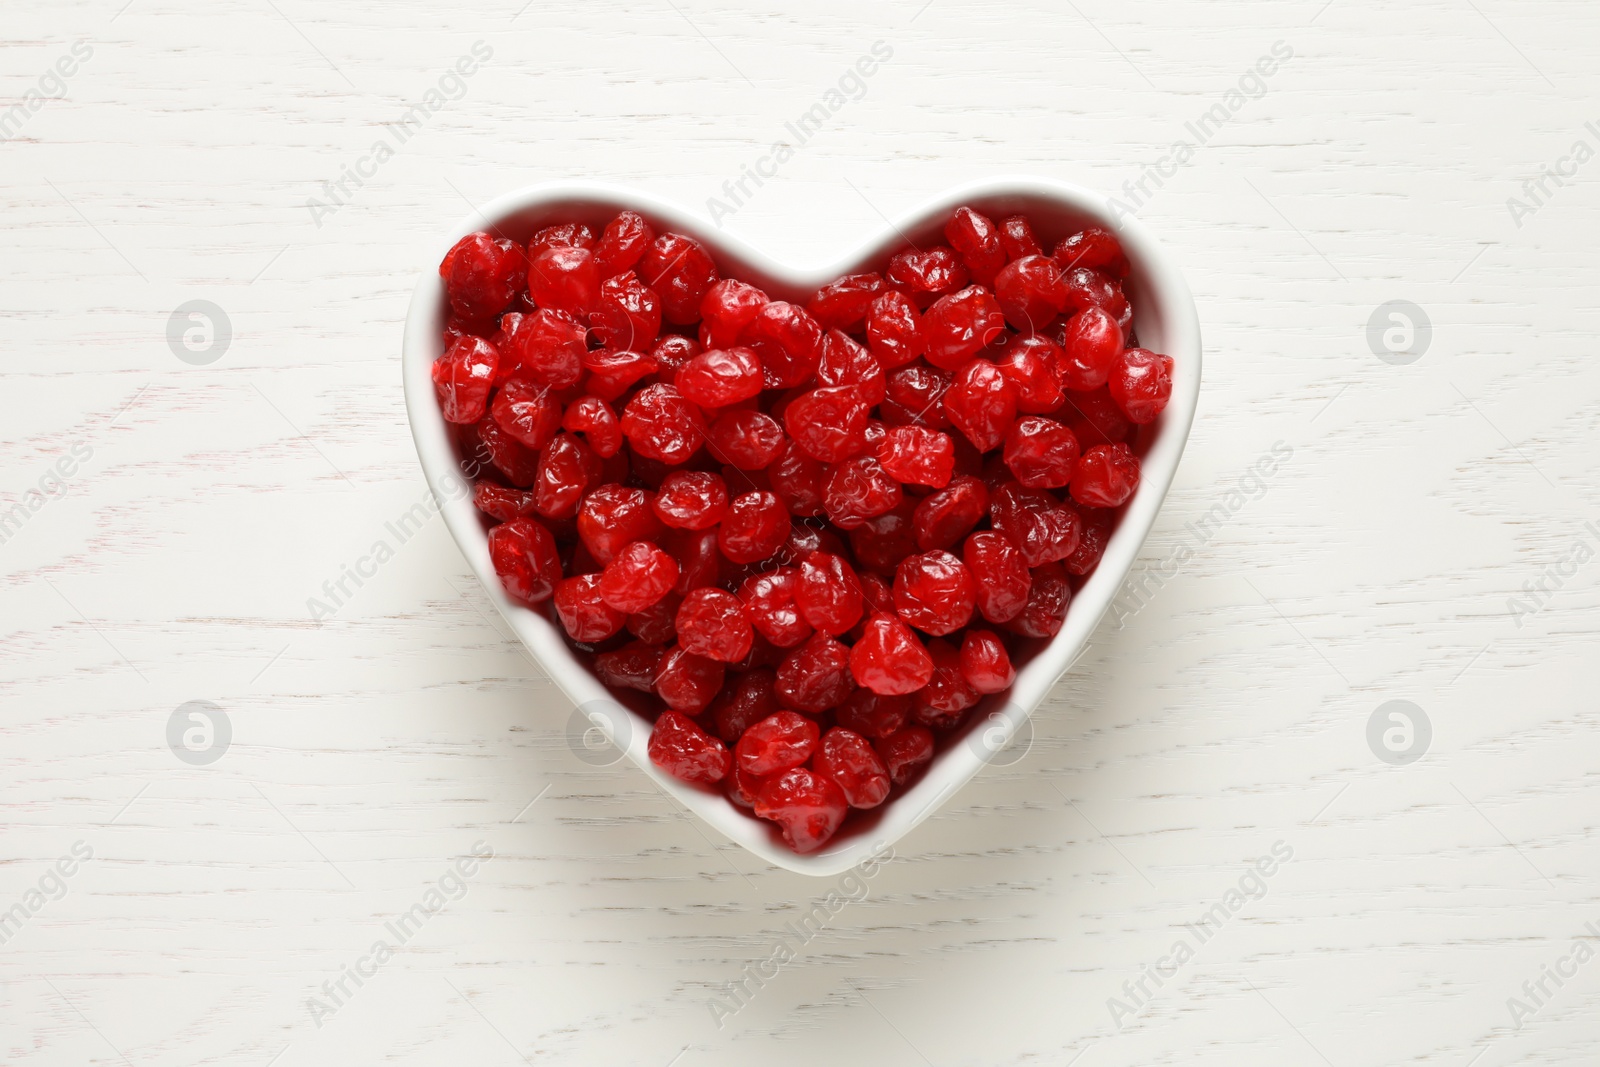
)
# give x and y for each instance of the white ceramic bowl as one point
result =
(1164, 320)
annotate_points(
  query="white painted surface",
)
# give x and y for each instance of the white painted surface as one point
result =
(372, 750)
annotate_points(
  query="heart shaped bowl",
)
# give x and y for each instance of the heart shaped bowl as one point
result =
(1164, 321)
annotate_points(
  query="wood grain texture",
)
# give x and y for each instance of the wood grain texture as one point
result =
(372, 749)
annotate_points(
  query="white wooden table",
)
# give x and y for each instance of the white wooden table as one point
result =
(212, 908)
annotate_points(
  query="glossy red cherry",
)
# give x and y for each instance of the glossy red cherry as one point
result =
(679, 747)
(622, 244)
(1107, 476)
(462, 378)
(776, 744)
(637, 576)
(807, 807)
(583, 614)
(849, 759)
(889, 659)
(815, 676)
(524, 556)
(713, 624)
(1141, 384)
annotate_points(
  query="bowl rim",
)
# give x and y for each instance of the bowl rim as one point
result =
(1165, 317)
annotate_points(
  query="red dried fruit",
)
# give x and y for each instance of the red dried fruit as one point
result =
(944, 518)
(744, 701)
(1043, 528)
(562, 235)
(691, 500)
(843, 304)
(637, 576)
(482, 275)
(934, 592)
(679, 747)
(982, 404)
(894, 330)
(874, 715)
(633, 666)
(1016, 237)
(978, 241)
(1030, 292)
(612, 516)
(905, 752)
(627, 314)
(658, 623)
(797, 479)
(816, 675)
(1042, 453)
(888, 658)
(827, 423)
(524, 556)
(583, 614)
(671, 353)
(720, 377)
(1032, 364)
(959, 326)
(1092, 343)
(727, 308)
(936, 272)
(1096, 248)
(463, 377)
(687, 682)
(700, 561)
(776, 744)
(660, 424)
(915, 396)
(713, 624)
(769, 601)
(883, 540)
(746, 439)
(1047, 604)
(544, 346)
(567, 470)
(529, 413)
(844, 362)
(856, 490)
(828, 595)
(1090, 288)
(564, 279)
(1000, 577)
(500, 503)
(788, 341)
(594, 419)
(1106, 477)
(682, 272)
(985, 663)
(847, 758)
(943, 702)
(807, 807)
(1092, 545)
(1095, 418)
(1140, 382)
(917, 456)
(755, 527)
(622, 243)
(518, 462)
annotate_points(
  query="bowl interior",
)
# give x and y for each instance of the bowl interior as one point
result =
(1164, 320)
